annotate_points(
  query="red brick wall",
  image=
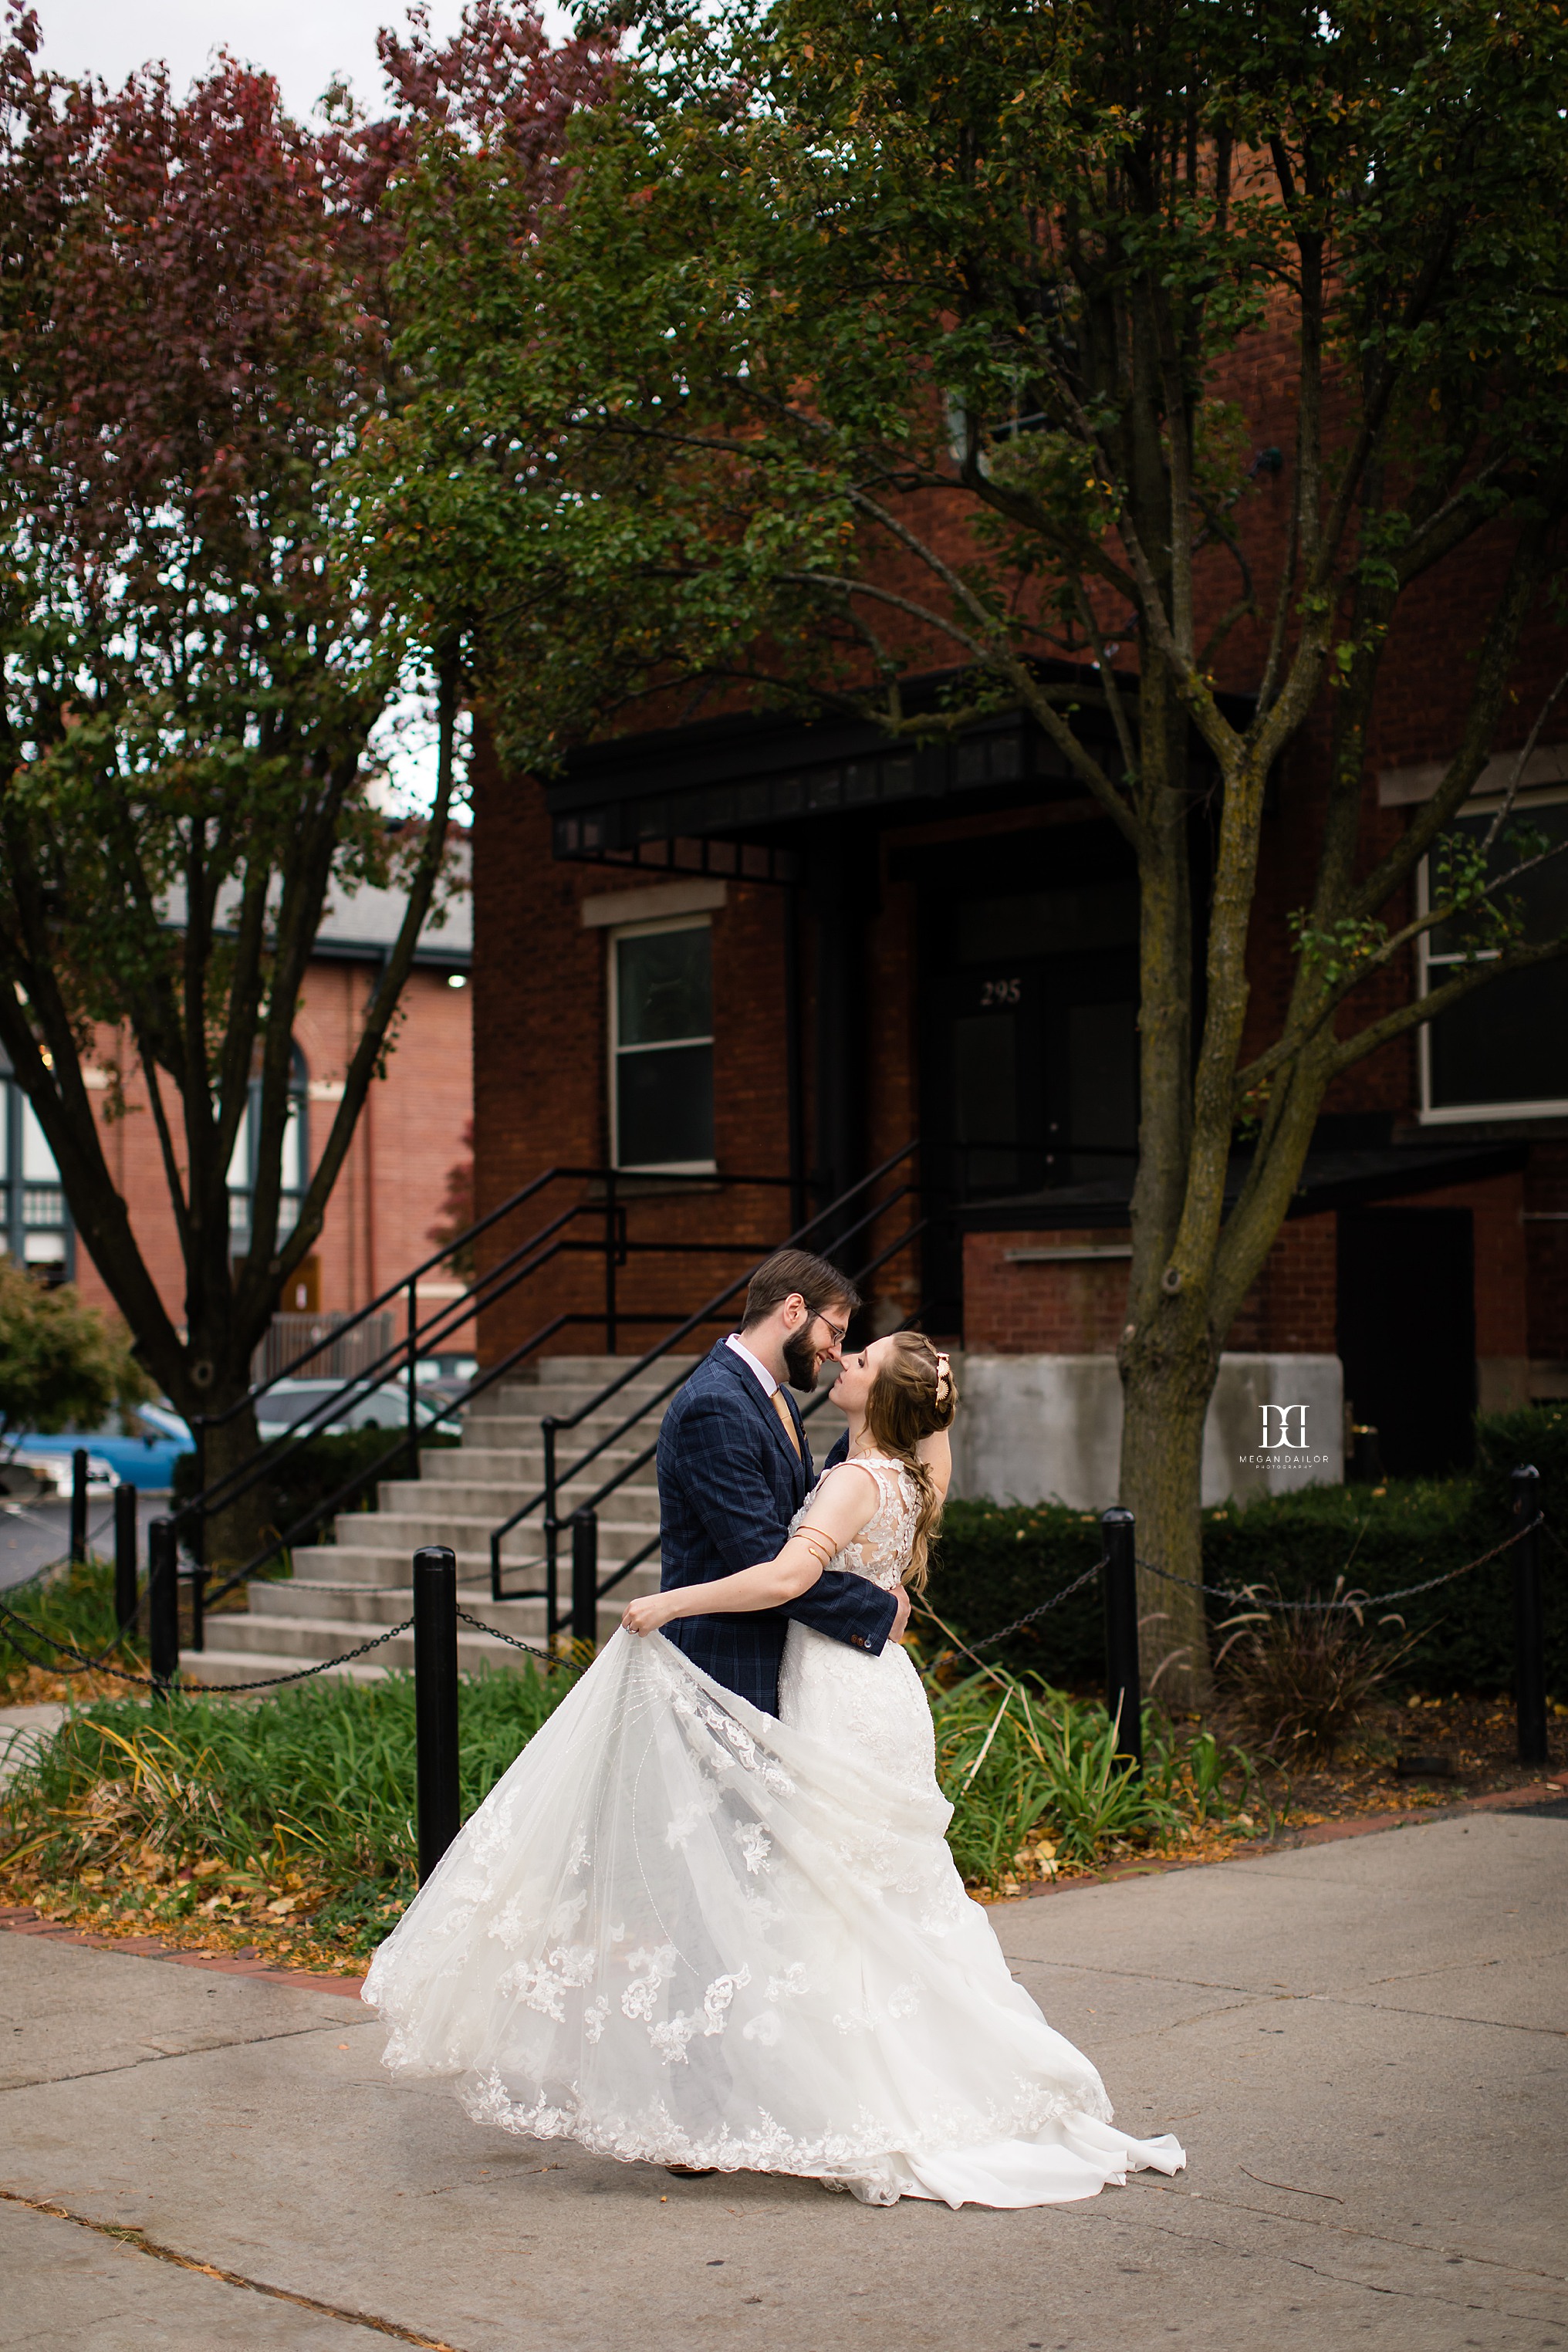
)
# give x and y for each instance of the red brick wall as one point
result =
(1017, 1307)
(1023, 1308)
(541, 1087)
(390, 1191)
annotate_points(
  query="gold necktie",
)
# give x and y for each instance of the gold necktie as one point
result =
(784, 1414)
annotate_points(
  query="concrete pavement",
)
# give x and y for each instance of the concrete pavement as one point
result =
(1363, 2045)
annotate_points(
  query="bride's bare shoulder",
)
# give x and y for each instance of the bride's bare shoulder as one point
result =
(849, 1494)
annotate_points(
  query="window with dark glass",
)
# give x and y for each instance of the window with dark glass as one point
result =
(243, 1161)
(661, 1046)
(34, 1223)
(1504, 1047)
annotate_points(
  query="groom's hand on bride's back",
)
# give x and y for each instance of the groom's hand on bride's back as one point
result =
(900, 1625)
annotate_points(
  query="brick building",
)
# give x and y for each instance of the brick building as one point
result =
(750, 947)
(410, 1134)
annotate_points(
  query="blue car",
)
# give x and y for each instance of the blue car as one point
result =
(145, 1460)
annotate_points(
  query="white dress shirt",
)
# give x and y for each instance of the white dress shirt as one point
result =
(753, 1364)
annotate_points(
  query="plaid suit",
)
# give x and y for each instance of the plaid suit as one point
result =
(729, 1485)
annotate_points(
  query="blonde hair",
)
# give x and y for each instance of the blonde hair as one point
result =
(913, 1396)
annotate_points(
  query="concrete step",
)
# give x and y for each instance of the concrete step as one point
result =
(365, 1564)
(523, 1466)
(403, 1532)
(477, 1653)
(251, 1666)
(494, 1498)
(302, 1601)
(263, 1644)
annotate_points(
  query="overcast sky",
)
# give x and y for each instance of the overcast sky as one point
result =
(303, 42)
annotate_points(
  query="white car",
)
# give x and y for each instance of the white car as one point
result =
(52, 1472)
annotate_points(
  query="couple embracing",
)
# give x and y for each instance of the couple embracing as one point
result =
(709, 1918)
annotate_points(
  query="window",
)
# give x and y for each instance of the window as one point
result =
(661, 1046)
(1503, 1052)
(34, 1223)
(296, 1160)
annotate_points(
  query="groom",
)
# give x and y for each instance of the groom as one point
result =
(734, 1467)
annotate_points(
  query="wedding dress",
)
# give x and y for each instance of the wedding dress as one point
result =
(680, 1931)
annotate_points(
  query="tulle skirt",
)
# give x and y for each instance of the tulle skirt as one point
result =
(678, 1931)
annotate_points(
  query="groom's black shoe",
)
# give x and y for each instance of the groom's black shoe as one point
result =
(692, 2171)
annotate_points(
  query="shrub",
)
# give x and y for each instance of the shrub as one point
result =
(1303, 1679)
(1032, 1772)
(994, 1561)
(307, 1480)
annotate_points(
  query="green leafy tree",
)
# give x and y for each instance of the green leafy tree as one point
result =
(61, 1364)
(888, 338)
(195, 311)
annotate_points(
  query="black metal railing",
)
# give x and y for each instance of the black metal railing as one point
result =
(423, 1337)
(855, 1213)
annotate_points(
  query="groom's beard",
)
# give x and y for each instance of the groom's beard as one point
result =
(800, 1361)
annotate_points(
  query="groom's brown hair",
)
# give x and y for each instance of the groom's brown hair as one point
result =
(790, 1270)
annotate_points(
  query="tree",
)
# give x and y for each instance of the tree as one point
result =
(195, 332)
(60, 1362)
(890, 338)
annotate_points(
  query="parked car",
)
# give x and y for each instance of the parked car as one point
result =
(145, 1459)
(288, 1402)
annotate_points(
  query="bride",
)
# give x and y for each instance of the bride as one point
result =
(681, 1931)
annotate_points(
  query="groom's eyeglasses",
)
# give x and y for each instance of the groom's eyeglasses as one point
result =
(840, 1331)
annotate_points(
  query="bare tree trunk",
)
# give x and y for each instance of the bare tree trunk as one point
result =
(236, 1533)
(1167, 1380)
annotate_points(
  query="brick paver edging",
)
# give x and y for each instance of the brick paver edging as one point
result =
(1317, 1833)
(23, 1920)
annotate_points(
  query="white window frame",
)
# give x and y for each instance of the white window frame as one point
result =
(1463, 1114)
(703, 922)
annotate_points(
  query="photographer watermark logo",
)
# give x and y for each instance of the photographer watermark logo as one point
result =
(1284, 1441)
(1284, 1428)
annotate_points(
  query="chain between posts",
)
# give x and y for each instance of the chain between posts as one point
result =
(1243, 1598)
(1252, 1600)
(150, 1681)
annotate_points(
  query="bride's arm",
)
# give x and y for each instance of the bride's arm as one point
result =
(843, 1503)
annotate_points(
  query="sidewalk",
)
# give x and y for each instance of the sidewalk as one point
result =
(1363, 2045)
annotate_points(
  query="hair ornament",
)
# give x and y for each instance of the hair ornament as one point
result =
(944, 1377)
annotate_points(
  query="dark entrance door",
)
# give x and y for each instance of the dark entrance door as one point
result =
(1407, 1333)
(1030, 1062)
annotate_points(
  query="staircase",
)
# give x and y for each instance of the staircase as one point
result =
(341, 1594)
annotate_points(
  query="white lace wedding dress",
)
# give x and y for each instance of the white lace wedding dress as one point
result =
(682, 1932)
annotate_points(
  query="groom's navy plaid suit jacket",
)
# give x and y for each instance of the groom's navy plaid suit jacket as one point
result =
(729, 1485)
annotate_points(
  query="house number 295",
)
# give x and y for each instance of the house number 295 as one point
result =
(999, 992)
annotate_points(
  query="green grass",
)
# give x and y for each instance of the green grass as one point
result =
(204, 1811)
(73, 1604)
(313, 1790)
(1021, 1763)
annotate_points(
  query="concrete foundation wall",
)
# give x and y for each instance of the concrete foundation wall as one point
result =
(1035, 1429)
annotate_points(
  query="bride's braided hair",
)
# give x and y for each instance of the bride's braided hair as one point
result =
(913, 1395)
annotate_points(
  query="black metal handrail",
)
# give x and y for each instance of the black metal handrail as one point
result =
(547, 1496)
(422, 1340)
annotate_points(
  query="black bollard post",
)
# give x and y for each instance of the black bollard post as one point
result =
(78, 1506)
(164, 1604)
(125, 1500)
(585, 1576)
(1122, 1694)
(1528, 1643)
(436, 1700)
